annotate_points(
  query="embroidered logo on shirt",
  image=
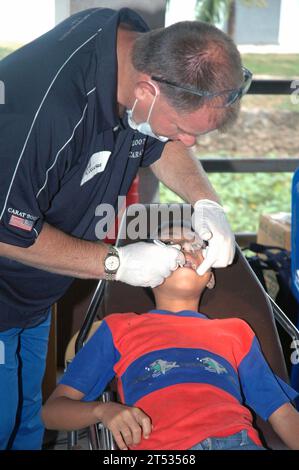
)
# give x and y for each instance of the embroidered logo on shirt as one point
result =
(160, 367)
(213, 366)
(137, 147)
(96, 164)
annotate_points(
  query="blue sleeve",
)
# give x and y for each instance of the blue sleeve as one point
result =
(263, 391)
(34, 154)
(152, 152)
(92, 368)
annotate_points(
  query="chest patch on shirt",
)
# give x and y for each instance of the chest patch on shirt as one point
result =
(96, 164)
(137, 147)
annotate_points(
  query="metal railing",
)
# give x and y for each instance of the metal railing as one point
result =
(260, 164)
(256, 164)
(250, 165)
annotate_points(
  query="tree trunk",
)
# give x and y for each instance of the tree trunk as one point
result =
(231, 22)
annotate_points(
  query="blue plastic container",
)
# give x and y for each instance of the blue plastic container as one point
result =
(295, 264)
(295, 235)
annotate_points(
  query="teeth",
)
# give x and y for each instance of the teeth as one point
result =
(189, 264)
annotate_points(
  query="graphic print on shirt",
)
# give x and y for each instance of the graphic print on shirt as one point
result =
(137, 147)
(212, 366)
(97, 164)
(160, 367)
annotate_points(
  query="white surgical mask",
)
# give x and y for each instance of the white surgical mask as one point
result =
(145, 127)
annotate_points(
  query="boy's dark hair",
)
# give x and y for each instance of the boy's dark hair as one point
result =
(190, 53)
(170, 224)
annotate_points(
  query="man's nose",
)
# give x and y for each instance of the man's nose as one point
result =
(187, 140)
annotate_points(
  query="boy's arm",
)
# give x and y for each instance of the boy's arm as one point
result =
(65, 411)
(263, 391)
(285, 422)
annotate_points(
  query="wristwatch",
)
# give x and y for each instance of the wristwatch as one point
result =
(111, 264)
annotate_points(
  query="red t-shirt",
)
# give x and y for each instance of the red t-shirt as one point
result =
(191, 375)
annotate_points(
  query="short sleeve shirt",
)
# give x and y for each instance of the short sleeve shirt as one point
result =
(63, 148)
(192, 376)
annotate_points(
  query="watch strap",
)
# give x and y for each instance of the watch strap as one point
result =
(109, 277)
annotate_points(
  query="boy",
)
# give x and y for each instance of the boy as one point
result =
(183, 380)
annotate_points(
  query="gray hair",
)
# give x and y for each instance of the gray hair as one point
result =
(192, 54)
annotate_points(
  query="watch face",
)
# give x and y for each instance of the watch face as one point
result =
(112, 263)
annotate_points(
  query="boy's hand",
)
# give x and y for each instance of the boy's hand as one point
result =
(128, 424)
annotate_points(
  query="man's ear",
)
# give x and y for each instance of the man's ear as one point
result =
(145, 91)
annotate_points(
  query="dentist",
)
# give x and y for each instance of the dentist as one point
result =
(87, 104)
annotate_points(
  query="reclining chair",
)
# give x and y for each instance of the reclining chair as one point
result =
(238, 293)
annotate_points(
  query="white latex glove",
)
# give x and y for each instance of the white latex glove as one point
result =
(146, 264)
(211, 224)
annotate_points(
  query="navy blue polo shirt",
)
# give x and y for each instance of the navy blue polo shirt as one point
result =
(63, 148)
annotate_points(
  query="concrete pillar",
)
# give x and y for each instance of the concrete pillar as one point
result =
(152, 12)
(62, 10)
(288, 26)
(180, 11)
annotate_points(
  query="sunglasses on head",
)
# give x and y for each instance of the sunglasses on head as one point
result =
(221, 99)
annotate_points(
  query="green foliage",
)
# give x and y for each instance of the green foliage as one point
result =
(256, 3)
(272, 64)
(211, 11)
(214, 11)
(7, 48)
(4, 51)
(246, 196)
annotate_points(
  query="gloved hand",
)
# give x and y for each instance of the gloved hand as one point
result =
(211, 224)
(147, 265)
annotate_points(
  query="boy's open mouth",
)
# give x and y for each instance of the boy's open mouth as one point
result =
(190, 264)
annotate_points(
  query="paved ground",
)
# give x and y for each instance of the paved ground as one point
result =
(258, 132)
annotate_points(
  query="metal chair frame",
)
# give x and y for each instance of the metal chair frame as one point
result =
(99, 436)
